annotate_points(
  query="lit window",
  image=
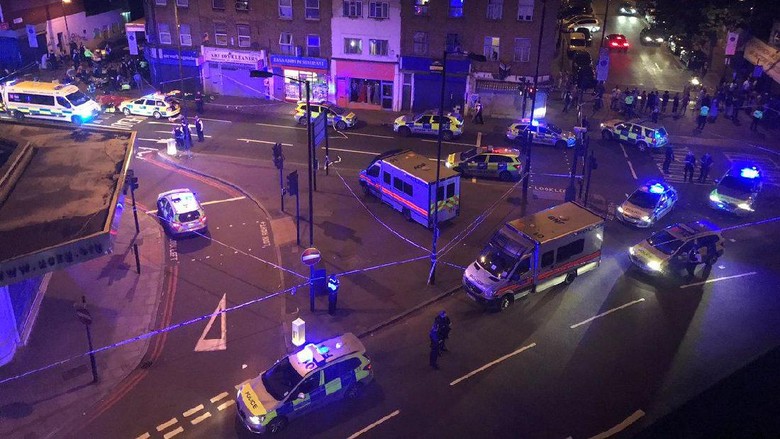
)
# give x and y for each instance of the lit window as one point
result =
(378, 10)
(377, 47)
(421, 7)
(456, 8)
(353, 8)
(353, 46)
(244, 37)
(285, 9)
(312, 9)
(163, 30)
(420, 43)
(522, 49)
(495, 9)
(286, 43)
(313, 45)
(220, 34)
(184, 35)
(242, 5)
(525, 10)
(492, 49)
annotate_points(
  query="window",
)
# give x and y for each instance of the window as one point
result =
(378, 10)
(386, 177)
(286, 43)
(398, 183)
(525, 10)
(184, 35)
(164, 32)
(310, 384)
(340, 369)
(244, 37)
(522, 49)
(220, 34)
(452, 44)
(28, 98)
(548, 258)
(636, 129)
(353, 46)
(218, 4)
(492, 49)
(421, 7)
(353, 8)
(500, 159)
(495, 9)
(420, 43)
(377, 47)
(374, 171)
(313, 45)
(408, 189)
(63, 102)
(456, 8)
(571, 249)
(312, 9)
(450, 192)
(183, 3)
(242, 5)
(285, 9)
(161, 2)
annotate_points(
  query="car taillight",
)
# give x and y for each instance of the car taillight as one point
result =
(625, 44)
(367, 367)
(176, 226)
(517, 166)
(202, 219)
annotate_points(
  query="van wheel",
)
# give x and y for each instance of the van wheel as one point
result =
(341, 125)
(76, 120)
(641, 145)
(366, 190)
(18, 114)
(570, 276)
(505, 176)
(506, 300)
(606, 135)
(560, 144)
(126, 111)
(157, 115)
(404, 131)
(447, 135)
(353, 391)
(407, 214)
(277, 425)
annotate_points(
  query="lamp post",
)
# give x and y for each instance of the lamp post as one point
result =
(527, 137)
(67, 30)
(604, 26)
(473, 57)
(309, 140)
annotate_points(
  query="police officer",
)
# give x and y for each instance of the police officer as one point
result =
(187, 134)
(199, 128)
(694, 259)
(178, 134)
(668, 157)
(442, 324)
(690, 167)
(758, 114)
(435, 346)
(478, 114)
(199, 103)
(706, 163)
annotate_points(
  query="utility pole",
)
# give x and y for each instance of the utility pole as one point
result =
(528, 136)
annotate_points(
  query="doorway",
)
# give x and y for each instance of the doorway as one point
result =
(387, 95)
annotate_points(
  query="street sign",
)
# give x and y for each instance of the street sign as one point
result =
(318, 126)
(436, 67)
(84, 316)
(602, 69)
(311, 256)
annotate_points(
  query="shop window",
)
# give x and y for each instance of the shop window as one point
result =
(183, 3)
(522, 49)
(242, 5)
(495, 9)
(456, 8)
(570, 250)
(421, 7)
(353, 46)
(286, 43)
(525, 10)
(377, 47)
(452, 44)
(244, 37)
(420, 43)
(218, 4)
(220, 34)
(367, 91)
(184, 35)
(163, 31)
(492, 48)
(285, 9)
(312, 9)
(161, 2)
(313, 45)
(378, 10)
(353, 8)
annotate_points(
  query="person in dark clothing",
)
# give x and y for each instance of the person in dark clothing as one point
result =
(664, 101)
(435, 345)
(199, 128)
(668, 157)
(566, 101)
(199, 103)
(654, 115)
(442, 325)
(178, 134)
(651, 100)
(676, 103)
(705, 164)
(690, 167)
(694, 259)
(478, 113)
(187, 134)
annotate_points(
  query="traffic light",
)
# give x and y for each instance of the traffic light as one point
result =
(131, 180)
(333, 293)
(278, 156)
(292, 183)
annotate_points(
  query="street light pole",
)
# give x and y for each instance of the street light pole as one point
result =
(178, 45)
(604, 26)
(310, 144)
(528, 136)
(432, 274)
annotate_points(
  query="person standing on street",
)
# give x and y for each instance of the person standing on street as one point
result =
(701, 120)
(690, 167)
(199, 128)
(758, 114)
(668, 157)
(676, 103)
(694, 259)
(566, 101)
(664, 101)
(185, 127)
(685, 101)
(705, 164)
(433, 358)
(199, 102)
(442, 324)
(478, 113)
(178, 135)
(655, 113)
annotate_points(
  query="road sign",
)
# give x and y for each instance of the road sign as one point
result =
(311, 256)
(602, 69)
(318, 126)
(436, 67)
(84, 316)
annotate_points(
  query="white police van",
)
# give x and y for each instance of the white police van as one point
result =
(48, 100)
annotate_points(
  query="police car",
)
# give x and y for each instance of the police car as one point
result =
(737, 191)
(156, 105)
(428, 123)
(542, 133)
(641, 133)
(666, 251)
(338, 117)
(318, 374)
(497, 162)
(180, 212)
(647, 204)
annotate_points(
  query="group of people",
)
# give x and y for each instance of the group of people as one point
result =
(633, 103)
(183, 135)
(689, 169)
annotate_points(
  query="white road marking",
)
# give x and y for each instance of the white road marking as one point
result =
(201, 418)
(657, 66)
(215, 344)
(263, 141)
(631, 167)
(173, 433)
(433, 159)
(152, 140)
(451, 143)
(225, 405)
(165, 425)
(144, 436)
(395, 413)
(168, 132)
(352, 151)
(279, 126)
(218, 397)
(718, 279)
(217, 120)
(492, 363)
(620, 427)
(227, 200)
(607, 312)
(371, 135)
(193, 410)
(624, 151)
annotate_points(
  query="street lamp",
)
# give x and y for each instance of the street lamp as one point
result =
(473, 57)
(67, 30)
(309, 140)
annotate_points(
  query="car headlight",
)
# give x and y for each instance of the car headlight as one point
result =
(648, 39)
(257, 420)
(745, 206)
(654, 265)
(620, 209)
(631, 251)
(714, 197)
(646, 219)
(659, 40)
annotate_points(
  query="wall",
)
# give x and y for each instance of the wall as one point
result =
(82, 28)
(367, 28)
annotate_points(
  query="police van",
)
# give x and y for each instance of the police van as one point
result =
(407, 182)
(641, 133)
(48, 100)
(534, 253)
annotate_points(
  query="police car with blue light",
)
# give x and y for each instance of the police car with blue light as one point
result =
(156, 105)
(666, 251)
(737, 191)
(338, 117)
(487, 161)
(647, 204)
(427, 123)
(316, 375)
(181, 213)
(641, 133)
(542, 133)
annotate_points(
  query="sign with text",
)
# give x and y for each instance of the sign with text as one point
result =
(214, 54)
(299, 61)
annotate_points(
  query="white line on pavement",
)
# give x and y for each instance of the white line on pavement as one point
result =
(165, 425)
(218, 397)
(607, 312)
(267, 142)
(164, 123)
(352, 151)
(193, 410)
(217, 120)
(370, 135)
(717, 279)
(374, 424)
(279, 126)
(173, 433)
(144, 436)
(434, 160)
(226, 200)
(631, 167)
(225, 405)
(450, 143)
(151, 140)
(620, 427)
(494, 362)
(624, 151)
(201, 418)
(168, 132)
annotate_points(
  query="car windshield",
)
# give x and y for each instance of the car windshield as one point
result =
(496, 260)
(661, 132)
(645, 200)
(554, 129)
(336, 109)
(189, 216)
(77, 98)
(737, 184)
(280, 379)
(465, 155)
(665, 242)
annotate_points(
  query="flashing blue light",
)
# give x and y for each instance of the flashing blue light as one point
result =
(323, 349)
(749, 172)
(535, 123)
(657, 188)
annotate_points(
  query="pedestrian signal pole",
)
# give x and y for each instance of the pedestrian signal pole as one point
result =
(279, 163)
(132, 184)
(292, 189)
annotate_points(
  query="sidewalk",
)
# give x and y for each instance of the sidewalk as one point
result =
(123, 304)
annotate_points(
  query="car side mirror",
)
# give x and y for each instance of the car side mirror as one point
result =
(301, 395)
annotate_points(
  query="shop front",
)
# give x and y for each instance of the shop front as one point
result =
(421, 86)
(164, 69)
(302, 68)
(365, 84)
(226, 72)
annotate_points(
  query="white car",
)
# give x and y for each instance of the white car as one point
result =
(180, 212)
(649, 203)
(590, 23)
(155, 105)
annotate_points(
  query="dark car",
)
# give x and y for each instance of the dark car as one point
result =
(677, 43)
(628, 8)
(582, 69)
(652, 36)
(693, 59)
(588, 37)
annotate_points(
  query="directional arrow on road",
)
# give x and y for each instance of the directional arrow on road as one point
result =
(215, 344)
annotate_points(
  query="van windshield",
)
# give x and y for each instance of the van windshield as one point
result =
(496, 260)
(77, 98)
(280, 379)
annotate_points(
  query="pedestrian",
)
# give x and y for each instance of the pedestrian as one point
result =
(185, 127)
(629, 101)
(199, 128)
(566, 101)
(478, 113)
(668, 157)
(705, 163)
(178, 135)
(642, 101)
(656, 112)
(597, 104)
(694, 259)
(435, 346)
(443, 325)
(664, 101)
(199, 102)
(758, 114)
(652, 98)
(714, 110)
(585, 123)
(690, 167)
(685, 101)
(138, 80)
(676, 103)
(615, 98)
(738, 106)
(701, 120)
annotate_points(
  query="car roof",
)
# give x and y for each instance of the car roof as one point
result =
(182, 200)
(325, 352)
(574, 35)
(746, 170)
(651, 186)
(619, 36)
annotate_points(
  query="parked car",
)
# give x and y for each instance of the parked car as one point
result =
(652, 36)
(647, 204)
(666, 252)
(577, 41)
(591, 23)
